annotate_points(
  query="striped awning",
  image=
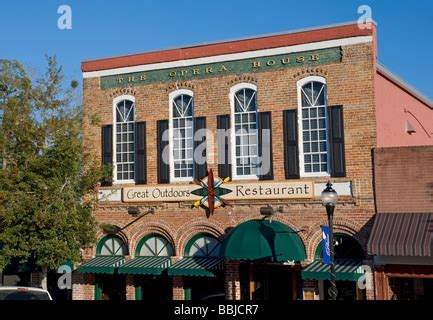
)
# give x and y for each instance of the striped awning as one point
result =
(146, 265)
(346, 270)
(402, 234)
(196, 266)
(102, 264)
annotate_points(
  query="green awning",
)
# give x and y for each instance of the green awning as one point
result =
(264, 241)
(146, 265)
(196, 266)
(102, 264)
(344, 270)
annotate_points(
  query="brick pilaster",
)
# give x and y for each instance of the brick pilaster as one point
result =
(233, 287)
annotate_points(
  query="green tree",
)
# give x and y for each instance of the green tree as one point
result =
(47, 186)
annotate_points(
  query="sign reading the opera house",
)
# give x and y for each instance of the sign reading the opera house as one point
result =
(240, 191)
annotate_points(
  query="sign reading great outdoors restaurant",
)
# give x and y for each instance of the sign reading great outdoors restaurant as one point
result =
(269, 63)
(240, 191)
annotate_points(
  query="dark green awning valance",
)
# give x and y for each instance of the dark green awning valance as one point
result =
(102, 264)
(196, 266)
(263, 241)
(146, 265)
(349, 270)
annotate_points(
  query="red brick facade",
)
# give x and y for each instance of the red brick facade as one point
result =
(350, 83)
(400, 173)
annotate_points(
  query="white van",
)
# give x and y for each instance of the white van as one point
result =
(24, 293)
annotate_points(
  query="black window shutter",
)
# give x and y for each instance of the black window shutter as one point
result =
(107, 151)
(200, 169)
(224, 167)
(336, 139)
(291, 149)
(266, 171)
(140, 153)
(163, 168)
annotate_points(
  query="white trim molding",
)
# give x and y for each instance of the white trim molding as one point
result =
(231, 56)
(172, 95)
(116, 100)
(300, 83)
(232, 92)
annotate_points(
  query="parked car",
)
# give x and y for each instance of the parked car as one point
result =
(24, 293)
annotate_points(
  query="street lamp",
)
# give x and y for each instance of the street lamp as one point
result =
(329, 200)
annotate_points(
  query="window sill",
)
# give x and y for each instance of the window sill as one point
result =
(316, 175)
(119, 182)
(181, 180)
(240, 178)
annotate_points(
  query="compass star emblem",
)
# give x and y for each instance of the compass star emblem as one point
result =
(211, 192)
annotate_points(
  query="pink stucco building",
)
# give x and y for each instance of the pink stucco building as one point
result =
(404, 116)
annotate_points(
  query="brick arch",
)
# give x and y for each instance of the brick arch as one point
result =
(313, 71)
(180, 85)
(122, 91)
(143, 229)
(121, 234)
(341, 225)
(242, 79)
(190, 229)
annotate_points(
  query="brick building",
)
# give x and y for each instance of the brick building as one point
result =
(283, 115)
(402, 238)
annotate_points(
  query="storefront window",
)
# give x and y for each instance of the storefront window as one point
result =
(112, 246)
(204, 246)
(313, 127)
(156, 246)
(245, 133)
(125, 140)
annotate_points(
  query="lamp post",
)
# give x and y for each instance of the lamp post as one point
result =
(329, 200)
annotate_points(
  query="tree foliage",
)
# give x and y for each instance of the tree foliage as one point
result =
(47, 186)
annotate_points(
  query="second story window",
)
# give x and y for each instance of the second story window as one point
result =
(181, 140)
(245, 132)
(125, 140)
(314, 127)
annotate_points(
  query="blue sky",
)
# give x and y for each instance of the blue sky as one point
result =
(106, 28)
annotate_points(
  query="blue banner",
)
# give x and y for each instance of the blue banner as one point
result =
(326, 249)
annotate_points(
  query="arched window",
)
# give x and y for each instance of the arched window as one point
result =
(203, 245)
(154, 245)
(245, 140)
(181, 135)
(112, 246)
(124, 138)
(313, 133)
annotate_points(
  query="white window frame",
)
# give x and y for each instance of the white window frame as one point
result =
(232, 93)
(171, 98)
(115, 102)
(302, 172)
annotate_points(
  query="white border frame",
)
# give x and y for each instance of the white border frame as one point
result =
(233, 90)
(116, 100)
(299, 85)
(171, 97)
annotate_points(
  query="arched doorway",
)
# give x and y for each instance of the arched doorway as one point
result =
(149, 267)
(348, 255)
(202, 269)
(110, 253)
(268, 251)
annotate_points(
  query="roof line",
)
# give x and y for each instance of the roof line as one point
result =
(328, 26)
(404, 85)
